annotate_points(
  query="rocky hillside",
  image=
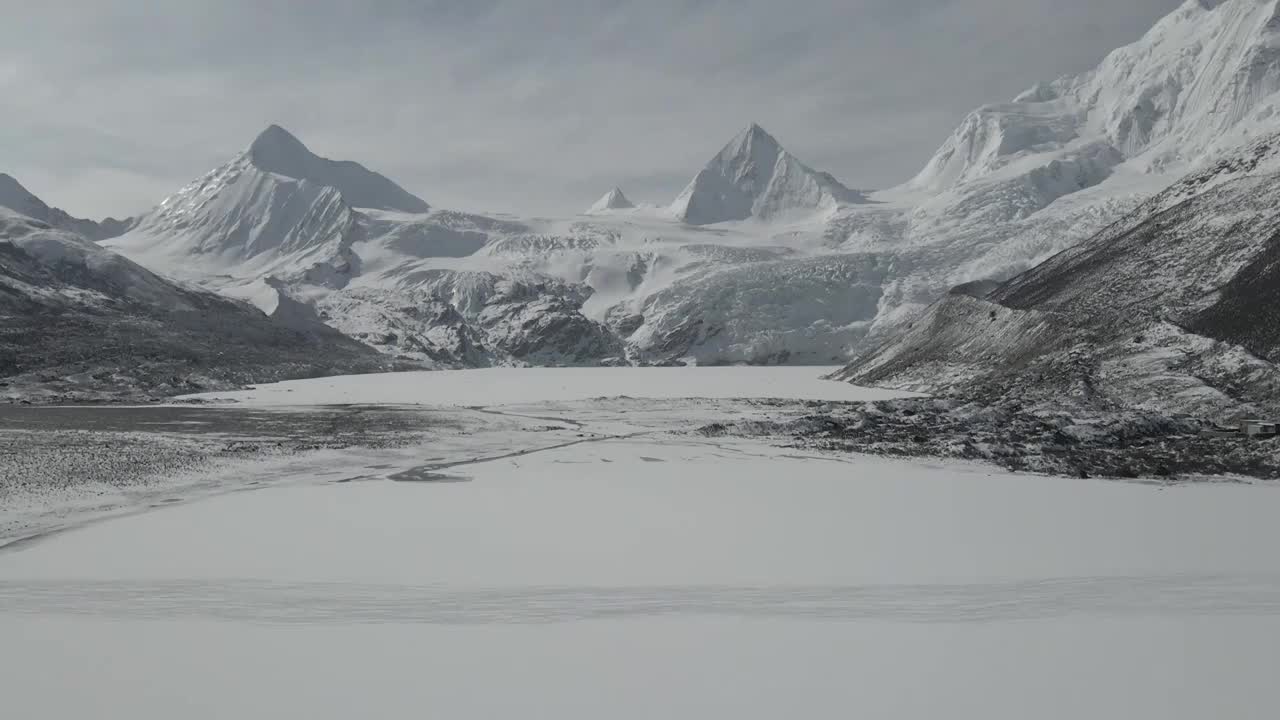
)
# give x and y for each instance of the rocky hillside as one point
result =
(17, 198)
(80, 323)
(1172, 308)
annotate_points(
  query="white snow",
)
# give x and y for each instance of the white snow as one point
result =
(579, 559)
(1197, 84)
(612, 200)
(1014, 184)
(662, 576)
(753, 177)
(278, 152)
(276, 208)
(512, 386)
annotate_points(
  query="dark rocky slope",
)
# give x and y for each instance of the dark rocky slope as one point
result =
(80, 323)
(1173, 309)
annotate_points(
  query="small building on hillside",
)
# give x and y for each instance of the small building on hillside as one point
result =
(1258, 428)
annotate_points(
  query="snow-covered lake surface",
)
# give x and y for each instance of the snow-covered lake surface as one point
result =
(619, 570)
(506, 386)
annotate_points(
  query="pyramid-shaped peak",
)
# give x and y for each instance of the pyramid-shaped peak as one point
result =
(754, 147)
(755, 132)
(615, 199)
(754, 138)
(279, 150)
(276, 134)
(754, 177)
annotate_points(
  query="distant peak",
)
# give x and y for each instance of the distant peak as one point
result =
(755, 177)
(275, 133)
(279, 152)
(275, 144)
(754, 134)
(612, 200)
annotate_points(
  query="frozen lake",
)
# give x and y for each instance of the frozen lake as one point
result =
(642, 574)
(506, 386)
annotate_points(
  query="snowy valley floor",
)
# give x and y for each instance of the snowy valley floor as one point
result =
(504, 543)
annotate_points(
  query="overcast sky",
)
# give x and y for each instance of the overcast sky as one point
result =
(528, 106)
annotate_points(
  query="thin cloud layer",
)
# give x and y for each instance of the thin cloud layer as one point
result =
(515, 106)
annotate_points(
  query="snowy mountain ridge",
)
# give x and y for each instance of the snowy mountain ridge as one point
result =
(1018, 182)
(1197, 83)
(1172, 308)
(251, 215)
(277, 151)
(761, 259)
(561, 291)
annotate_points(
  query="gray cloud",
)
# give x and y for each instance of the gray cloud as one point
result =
(532, 107)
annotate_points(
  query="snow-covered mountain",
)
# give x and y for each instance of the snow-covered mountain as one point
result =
(279, 152)
(274, 208)
(456, 289)
(1197, 84)
(1020, 181)
(761, 259)
(612, 200)
(280, 227)
(79, 322)
(1171, 308)
(754, 177)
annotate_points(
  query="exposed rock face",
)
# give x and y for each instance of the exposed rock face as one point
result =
(1125, 445)
(465, 320)
(413, 325)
